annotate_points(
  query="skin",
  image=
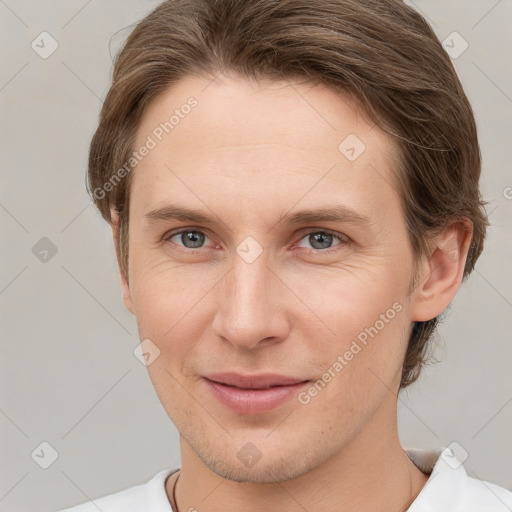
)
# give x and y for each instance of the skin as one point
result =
(247, 154)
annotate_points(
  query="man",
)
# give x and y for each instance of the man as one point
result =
(293, 195)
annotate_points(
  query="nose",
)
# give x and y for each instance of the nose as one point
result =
(252, 305)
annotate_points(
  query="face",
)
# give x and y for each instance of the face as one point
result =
(257, 286)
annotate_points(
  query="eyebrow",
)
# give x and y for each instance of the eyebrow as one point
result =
(336, 213)
(171, 212)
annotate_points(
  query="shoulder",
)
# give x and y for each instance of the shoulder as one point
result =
(478, 495)
(146, 496)
(449, 487)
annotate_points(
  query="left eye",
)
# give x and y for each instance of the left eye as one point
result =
(321, 240)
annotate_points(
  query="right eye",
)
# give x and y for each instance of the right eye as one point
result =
(188, 238)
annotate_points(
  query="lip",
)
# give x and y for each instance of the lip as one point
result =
(256, 394)
(263, 380)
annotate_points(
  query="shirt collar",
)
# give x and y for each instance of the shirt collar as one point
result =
(448, 488)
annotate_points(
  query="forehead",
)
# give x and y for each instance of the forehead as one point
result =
(238, 137)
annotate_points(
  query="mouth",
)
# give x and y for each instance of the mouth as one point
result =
(253, 394)
(261, 381)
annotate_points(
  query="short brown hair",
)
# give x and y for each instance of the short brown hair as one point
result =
(381, 52)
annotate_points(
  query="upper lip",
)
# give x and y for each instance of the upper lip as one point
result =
(253, 381)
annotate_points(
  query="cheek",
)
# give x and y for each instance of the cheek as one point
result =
(359, 372)
(164, 293)
(170, 310)
(361, 339)
(351, 298)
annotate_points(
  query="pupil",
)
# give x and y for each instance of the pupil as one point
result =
(192, 239)
(317, 237)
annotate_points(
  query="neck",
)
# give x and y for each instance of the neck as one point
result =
(371, 472)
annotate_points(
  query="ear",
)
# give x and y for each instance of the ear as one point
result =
(127, 297)
(440, 275)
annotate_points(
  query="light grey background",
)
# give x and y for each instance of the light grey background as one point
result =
(68, 373)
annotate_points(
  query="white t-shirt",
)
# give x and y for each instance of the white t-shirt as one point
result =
(448, 489)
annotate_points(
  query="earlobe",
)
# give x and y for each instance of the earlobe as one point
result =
(127, 298)
(441, 274)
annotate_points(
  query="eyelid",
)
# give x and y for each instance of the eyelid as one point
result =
(178, 231)
(343, 240)
(309, 231)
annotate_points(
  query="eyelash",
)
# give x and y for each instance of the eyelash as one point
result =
(343, 239)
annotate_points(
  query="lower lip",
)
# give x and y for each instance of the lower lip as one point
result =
(253, 401)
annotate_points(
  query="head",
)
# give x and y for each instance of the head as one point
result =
(250, 113)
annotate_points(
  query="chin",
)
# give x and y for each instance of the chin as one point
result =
(265, 470)
(272, 472)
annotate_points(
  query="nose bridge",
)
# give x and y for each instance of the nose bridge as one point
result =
(247, 312)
